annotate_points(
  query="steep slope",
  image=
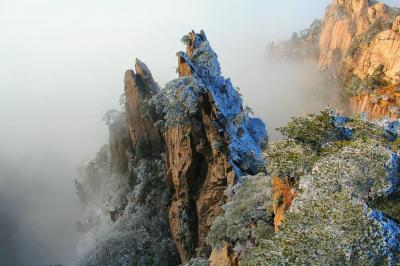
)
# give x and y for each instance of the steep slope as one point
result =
(152, 194)
(344, 178)
(358, 41)
(208, 151)
(124, 191)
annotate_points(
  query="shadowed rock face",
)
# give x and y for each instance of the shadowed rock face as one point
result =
(200, 173)
(171, 155)
(140, 87)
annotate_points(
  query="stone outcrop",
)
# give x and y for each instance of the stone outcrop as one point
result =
(208, 153)
(344, 20)
(139, 88)
(396, 25)
(171, 156)
(200, 174)
(282, 197)
(223, 257)
(356, 40)
(383, 50)
(384, 102)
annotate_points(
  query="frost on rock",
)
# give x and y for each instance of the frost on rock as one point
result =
(346, 173)
(178, 101)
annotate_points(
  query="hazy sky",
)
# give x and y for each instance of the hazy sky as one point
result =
(61, 68)
(62, 62)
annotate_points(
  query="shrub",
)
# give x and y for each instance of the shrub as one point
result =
(313, 129)
(330, 229)
(363, 167)
(250, 203)
(289, 159)
(198, 262)
(355, 86)
(341, 165)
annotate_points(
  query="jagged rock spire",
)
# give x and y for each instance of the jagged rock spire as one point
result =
(140, 87)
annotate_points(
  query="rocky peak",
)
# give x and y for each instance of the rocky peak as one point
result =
(353, 5)
(180, 147)
(357, 45)
(218, 144)
(139, 88)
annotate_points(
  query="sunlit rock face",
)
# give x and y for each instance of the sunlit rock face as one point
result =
(365, 45)
(384, 102)
(152, 194)
(344, 20)
(358, 43)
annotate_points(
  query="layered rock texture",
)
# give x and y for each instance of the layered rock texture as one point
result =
(359, 41)
(152, 194)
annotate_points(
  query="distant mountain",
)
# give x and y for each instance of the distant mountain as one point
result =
(359, 42)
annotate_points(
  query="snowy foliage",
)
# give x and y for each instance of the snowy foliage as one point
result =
(289, 159)
(124, 213)
(250, 202)
(347, 174)
(331, 229)
(131, 238)
(364, 168)
(197, 262)
(177, 103)
(112, 116)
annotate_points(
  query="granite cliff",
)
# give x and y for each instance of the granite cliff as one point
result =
(358, 43)
(152, 194)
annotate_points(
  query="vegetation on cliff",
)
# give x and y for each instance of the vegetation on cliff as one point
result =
(346, 174)
(357, 46)
(151, 195)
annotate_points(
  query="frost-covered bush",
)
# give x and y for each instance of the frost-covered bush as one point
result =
(313, 129)
(140, 235)
(328, 130)
(173, 105)
(124, 220)
(329, 229)
(340, 12)
(343, 166)
(289, 159)
(111, 116)
(365, 168)
(198, 262)
(250, 203)
(355, 86)
(378, 79)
